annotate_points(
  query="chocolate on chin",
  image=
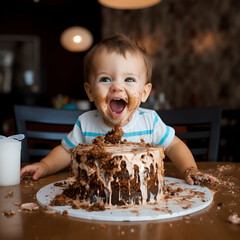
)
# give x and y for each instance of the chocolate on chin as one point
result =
(116, 173)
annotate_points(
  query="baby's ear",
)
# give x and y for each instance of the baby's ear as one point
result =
(146, 91)
(88, 91)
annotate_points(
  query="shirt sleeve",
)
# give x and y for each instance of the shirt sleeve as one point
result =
(73, 138)
(163, 134)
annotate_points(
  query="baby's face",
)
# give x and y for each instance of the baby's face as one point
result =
(118, 85)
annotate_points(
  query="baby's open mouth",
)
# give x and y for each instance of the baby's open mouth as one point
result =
(117, 105)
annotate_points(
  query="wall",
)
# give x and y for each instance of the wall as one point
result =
(195, 46)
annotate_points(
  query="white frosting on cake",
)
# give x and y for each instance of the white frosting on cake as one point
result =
(140, 154)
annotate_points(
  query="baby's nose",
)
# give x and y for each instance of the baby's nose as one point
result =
(116, 87)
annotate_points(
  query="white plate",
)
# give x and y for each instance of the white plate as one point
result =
(191, 199)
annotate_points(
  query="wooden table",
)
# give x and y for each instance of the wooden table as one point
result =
(210, 223)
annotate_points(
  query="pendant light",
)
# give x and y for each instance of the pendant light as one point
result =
(128, 4)
(76, 39)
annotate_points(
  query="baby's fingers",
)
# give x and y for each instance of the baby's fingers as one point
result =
(201, 178)
(38, 173)
(28, 170)
(189, 180)
(212, 178)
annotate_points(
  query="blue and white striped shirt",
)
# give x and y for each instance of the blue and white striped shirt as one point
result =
(145, 124)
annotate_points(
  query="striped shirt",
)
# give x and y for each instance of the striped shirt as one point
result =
(145, 124)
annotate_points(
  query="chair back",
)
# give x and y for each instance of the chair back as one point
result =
(199, 128)
(43, 129)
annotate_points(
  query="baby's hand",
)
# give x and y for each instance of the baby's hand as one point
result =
(194, 176)
(37, 170)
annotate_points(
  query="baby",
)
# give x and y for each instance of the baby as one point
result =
(118, 79)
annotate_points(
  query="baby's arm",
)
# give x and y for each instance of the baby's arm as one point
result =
(55, 161)
(183, 159)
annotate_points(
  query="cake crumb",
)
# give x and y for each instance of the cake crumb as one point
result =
(234, 219)
(186, 217)
(8, 213)
(115, 135)
(50, 211)
(29, 207)
(135, 211)
(58, 184)
(17, 203)
(102, 226)
(65, 213)
(225, 168)
(98, 206)
(9, 193)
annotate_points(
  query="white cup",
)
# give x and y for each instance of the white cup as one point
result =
(10, 161)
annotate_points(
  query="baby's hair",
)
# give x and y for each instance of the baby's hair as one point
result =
(119, 44)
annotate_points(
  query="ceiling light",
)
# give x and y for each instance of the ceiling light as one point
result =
(128, 4)
(76, 39)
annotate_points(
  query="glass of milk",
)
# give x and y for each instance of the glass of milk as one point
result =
(10, 159)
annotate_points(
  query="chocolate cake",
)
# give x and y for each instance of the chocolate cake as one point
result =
(115, 172)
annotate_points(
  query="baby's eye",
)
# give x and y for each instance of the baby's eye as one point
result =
(129, 80)
(105, 79)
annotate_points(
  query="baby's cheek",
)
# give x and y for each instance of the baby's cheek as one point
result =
(134, 101)
(100, 103)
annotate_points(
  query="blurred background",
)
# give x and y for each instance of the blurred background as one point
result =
(194, 44)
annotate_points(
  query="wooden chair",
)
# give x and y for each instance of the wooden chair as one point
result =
(43, 129)
(199, 128)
